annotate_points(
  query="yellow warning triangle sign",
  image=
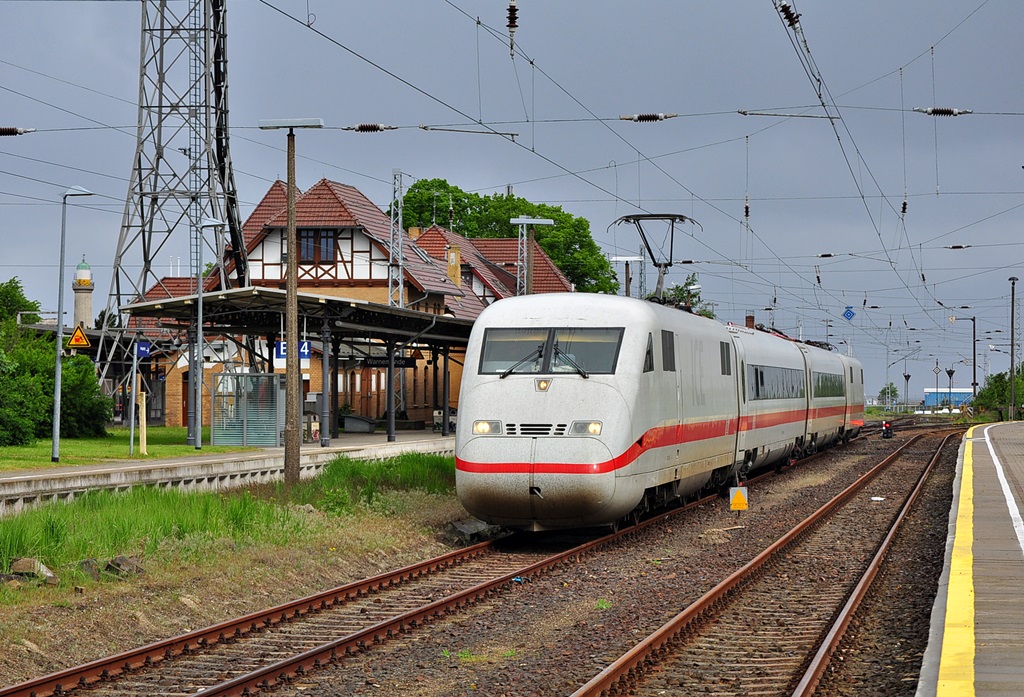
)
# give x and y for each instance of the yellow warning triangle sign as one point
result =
(79, 339)
(738, 498)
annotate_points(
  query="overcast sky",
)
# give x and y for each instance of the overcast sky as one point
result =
(71, 70)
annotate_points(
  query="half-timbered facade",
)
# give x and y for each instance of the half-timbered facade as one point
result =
(344, 251)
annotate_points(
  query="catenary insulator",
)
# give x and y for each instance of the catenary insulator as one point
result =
(942, 111)
(789, 14)
(14, 131)
(647, 118)
(513, 15)
(371, 128)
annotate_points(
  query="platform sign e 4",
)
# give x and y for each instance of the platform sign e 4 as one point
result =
(281, 349)
(737, 498)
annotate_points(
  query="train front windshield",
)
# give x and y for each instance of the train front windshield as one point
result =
(589, 350)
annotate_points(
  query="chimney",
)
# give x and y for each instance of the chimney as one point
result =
(750, 320)
(454, 265)
(415, 232)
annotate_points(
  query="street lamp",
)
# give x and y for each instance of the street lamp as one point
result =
(197, 367)
(73, 191)
(291, 365)
(1013, 373)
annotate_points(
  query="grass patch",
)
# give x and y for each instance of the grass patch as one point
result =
(161, 442)
(102, 524)
(346, 483)
(191, 526)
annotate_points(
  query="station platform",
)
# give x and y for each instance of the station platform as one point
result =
(976, 644)
(23, 488)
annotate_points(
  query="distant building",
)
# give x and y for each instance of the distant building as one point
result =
(945, 397)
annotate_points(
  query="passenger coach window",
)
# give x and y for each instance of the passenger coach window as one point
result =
(770, 382)
(726, 358)
(668, 351)
(649, 356)
(590, 350)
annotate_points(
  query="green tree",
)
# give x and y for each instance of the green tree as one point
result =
(995, 394)
(27, 359)
(688, 295)
(21, 400)
(568, 242)
(13, 301)
(84, 410)
(889, 394)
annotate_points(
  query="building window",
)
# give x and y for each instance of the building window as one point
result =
(317, 246)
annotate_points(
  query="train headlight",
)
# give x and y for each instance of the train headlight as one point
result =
(585, 428)
(542, 384)
(487, 428)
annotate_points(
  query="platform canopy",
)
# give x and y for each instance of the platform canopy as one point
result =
(259, 311)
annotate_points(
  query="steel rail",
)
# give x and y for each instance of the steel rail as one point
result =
(298, 666)
(106, 668)
(812, 676)
(648, 649)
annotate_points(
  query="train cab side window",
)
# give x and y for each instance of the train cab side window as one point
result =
(668, 351)
(649, 356)
(726, 358)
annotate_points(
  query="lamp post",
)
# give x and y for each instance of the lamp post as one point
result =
(974, 358)
(291, 366)
(1013, 370)
(199, 353)
(73, 191)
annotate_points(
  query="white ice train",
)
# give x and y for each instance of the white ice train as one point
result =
(580, 410)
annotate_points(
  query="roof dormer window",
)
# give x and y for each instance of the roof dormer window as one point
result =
(318, 246)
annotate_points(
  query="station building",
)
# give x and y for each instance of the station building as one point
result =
(344, 247)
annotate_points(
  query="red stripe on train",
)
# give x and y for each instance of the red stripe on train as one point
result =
(658, 437)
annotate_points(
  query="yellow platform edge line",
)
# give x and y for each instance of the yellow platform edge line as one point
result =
(956, 664)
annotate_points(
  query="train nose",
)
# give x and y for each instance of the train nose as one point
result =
(562, 480)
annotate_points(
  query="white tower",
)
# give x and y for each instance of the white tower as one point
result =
(83, 287)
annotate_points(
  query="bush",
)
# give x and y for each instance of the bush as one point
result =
(21, 403)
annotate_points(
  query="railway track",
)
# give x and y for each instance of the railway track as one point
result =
(256, 652)
(287, 644)
(770, 627)
(360, 612)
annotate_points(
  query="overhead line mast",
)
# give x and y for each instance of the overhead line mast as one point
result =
(181, 172)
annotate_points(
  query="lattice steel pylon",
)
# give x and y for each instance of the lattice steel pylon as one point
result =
(182, 172)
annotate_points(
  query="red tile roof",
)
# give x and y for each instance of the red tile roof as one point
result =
(435, 240)
(166, 288)
(504, 252)
(275, 200)
(332, 204)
